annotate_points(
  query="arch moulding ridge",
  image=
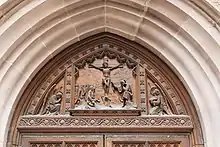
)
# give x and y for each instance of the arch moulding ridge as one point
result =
(181, 27)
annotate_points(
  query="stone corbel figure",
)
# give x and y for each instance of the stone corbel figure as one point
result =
(54, 104)
(157, 103)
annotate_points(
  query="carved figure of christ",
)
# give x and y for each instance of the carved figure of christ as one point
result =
(106, 70)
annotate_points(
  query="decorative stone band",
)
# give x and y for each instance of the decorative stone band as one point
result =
(174, 123)
(114, 112)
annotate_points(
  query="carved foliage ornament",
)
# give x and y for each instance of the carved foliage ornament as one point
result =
(95, 121)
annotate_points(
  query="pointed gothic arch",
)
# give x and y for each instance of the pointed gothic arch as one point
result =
(184, 34)
(29, 117)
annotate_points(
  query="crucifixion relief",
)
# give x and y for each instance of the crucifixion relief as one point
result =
(106, 79)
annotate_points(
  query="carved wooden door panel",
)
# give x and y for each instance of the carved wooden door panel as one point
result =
(62, 141)
(146, 141)
(106, 140)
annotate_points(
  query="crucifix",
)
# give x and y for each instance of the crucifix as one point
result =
(106, 79)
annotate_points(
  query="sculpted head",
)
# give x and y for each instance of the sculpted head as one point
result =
(154, 91)
(59, 94)
(122, 82)
(105, 62)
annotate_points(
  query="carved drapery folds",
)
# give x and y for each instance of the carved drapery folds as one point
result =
(105, 77)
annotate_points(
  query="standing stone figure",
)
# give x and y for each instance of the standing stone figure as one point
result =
(106, 79)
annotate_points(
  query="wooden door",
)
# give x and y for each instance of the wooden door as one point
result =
(106, 140)
(144, 140)
(65, 140)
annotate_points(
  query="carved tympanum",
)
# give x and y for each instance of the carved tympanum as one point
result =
(99, 88)
(105, 79)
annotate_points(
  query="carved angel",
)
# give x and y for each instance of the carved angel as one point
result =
(158, 103)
